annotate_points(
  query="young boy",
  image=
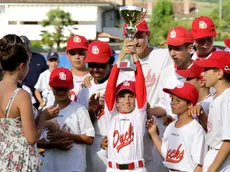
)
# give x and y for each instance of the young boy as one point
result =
(204, 33)
(217, 75)
(183, 144)
(127, 105)
(42, 88)
(66, 147)
(193, 76)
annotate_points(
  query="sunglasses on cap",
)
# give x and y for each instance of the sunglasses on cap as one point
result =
(97, 65)
(77, 51)
(61, 89)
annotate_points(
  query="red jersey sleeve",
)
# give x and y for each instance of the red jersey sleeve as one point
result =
(110, 93)
(140, 87)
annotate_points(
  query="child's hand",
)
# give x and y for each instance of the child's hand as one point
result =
(87, 82)
(51, 112)
(52, 125)
(104, 143)
(196, 111)
(93, 106)
(63, 144)
(129, 47)
(152, 127)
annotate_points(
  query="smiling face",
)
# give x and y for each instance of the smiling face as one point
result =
(125, 101)
(99, 71)
(181, 55)
(204, 46)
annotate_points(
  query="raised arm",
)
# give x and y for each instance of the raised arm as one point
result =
(139, 84)
(110, 93)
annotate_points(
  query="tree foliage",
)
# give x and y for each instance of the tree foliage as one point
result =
(222, 26)
(161, 21)
(60, 21)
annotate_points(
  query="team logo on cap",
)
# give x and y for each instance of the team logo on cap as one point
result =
(173, 34)
(76, 39)
(126, 83)
(62, 76)
(180, 85)
(95, 50)
(202, 25)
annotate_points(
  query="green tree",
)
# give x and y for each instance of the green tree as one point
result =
(60, 21)
(161, 21)
(222, 26)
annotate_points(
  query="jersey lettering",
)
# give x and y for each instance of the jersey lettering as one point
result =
(150, 79)
(122, 140)
(175, 155)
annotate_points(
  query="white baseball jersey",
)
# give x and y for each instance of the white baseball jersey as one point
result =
(77, 81)
(125, 136)
(76, 118)
(101, 126)
(183, 148)
(43, 82)
(218, 126)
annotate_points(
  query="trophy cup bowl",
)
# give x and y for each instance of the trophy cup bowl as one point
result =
(132, 16)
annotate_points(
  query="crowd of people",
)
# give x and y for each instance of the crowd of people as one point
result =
(170, 114)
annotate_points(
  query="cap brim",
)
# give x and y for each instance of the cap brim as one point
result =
(125, 88)
(76, 47)
(95, 60)
(187, 74)
(205, 63)
(172, 43)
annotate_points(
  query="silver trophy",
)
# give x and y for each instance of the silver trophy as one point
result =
(132, 16)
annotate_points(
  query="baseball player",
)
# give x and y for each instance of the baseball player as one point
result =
(183, 145)
(153, 61)
(193, 76)
(126, 104)
(217, 74)
(66, 147)
(76, 49)
(180, 46)
(99, 60)
(204, 33)
(42, 85)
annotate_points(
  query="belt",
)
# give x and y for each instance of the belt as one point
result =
(129, 166)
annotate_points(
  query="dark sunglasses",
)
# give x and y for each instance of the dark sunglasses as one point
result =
(75, 52)
(97, 65)
(61, 89)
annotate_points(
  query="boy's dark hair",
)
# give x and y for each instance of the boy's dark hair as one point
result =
(12, 52)
(111, 60)
(123, 92)
(226, 75)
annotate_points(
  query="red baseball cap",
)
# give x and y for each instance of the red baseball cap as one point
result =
(178, 36)
(141, 27)
(77, 42)
(126, 85)
(61, 77)
(193, 71)
(217, 59)
(98, 52)
(186, 91)
(203, 27)
(227, 42)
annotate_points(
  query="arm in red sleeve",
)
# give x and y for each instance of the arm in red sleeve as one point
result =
(110, 93)
(140, 86)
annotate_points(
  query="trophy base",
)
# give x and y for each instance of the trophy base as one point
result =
(127, 66)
